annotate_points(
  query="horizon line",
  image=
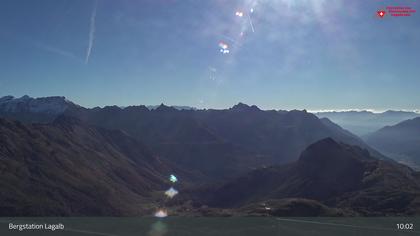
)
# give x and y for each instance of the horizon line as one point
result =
(314, 111)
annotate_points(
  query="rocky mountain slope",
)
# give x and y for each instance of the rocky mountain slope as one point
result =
(220, 144)
(214, 144)
(68, 168)
(332, 176)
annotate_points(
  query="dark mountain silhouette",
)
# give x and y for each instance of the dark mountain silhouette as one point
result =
(212, 144)
(335, 175)
(68, 168)
(219, 144)
(364, 122)
(152, 107)
(401, 141)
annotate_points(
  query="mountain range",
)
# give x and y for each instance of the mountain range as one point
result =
(58, 158)
(363, 123)
(219, 144)
(400, 142)
(216, 144)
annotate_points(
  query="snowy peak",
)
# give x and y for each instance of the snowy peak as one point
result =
(6, 99)
(47, 105)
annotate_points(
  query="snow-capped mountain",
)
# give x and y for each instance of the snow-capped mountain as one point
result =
(49, 105)
(30, 110)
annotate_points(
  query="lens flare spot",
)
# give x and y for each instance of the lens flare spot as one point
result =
(162, 213)
(171, 192)
(239, 13)
(224, 47)
(173, 178)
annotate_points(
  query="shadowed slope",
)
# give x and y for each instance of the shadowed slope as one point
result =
(68, 168)
(335, 174)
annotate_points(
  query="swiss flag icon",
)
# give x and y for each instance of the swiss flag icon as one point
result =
(381, 13)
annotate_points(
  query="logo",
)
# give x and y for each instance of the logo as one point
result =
(381, 13)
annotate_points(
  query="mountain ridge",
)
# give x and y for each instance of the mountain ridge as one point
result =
(217, 144)
(364, 122)
(292, 160)
(336, 175)
(400, 141)
(241, 137)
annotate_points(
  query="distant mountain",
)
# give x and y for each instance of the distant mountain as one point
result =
(400, 141)
(364, 122)
(219, 144)
(152, 107)
(45, 109)
(37, 110)
(68, 168)
(328, 179)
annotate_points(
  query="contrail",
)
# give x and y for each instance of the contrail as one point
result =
(55, 50)
(40, 45)
(91, 32)
(250, 23)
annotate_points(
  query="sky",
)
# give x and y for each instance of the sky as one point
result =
(281, 54)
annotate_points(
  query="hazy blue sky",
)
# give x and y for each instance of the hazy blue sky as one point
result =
(304, 54)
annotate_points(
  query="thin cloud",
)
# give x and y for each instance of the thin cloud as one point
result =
(91, 32)
(40, 45)
(55, 50)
